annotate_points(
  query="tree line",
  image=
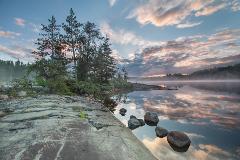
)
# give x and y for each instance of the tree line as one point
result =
(10, 70)
(74, 54)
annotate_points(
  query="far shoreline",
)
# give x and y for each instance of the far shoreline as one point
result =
(188, 81)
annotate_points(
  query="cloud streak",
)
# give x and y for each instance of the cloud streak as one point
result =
(8, 34)
(125, 37)
(163, 13)
(18, 52)
(188, 24)
(210, 9)
(235, 5)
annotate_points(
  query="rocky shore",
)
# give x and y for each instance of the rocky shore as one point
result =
(142, 87)
(52, 127)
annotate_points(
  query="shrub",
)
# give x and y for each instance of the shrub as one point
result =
(83, 115)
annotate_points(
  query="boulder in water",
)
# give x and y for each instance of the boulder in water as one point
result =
(151, 118)
(134, 123)
(161, 132)
(141, 122)
(122, 111)
(178, 141)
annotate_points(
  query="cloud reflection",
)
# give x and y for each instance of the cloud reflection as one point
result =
(197, 107)
(161, 149)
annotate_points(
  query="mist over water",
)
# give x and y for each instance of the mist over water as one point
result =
(207, 111)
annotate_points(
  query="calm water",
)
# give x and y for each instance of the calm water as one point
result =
(208, 112)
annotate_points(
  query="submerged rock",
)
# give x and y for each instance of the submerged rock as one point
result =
(122, 111)
(151, 118)
(179, 141)
(134, 123)
(161, 132)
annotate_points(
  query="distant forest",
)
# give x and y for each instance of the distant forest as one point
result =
(217, 73)
(229, 72)
(10, 70)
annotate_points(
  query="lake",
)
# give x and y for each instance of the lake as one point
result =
(207, 111)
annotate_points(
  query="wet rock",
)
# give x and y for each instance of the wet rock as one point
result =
(3, 97)
(151, 118)
(132, 117)
(134, 123)
(141, 122)
(161, 132)
(179, 141)
(122, 111)
(22, 94)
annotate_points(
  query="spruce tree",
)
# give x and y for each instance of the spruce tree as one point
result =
(72, 36)
(88, 51)
(105, 62)
(51, 64)
(49, 40)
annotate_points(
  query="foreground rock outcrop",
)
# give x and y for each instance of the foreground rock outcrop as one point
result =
(67, 128)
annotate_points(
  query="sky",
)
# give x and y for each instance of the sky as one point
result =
(149, 37)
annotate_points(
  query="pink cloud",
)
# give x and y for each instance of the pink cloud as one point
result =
(20, 22)
(8, 34)
(168, 13)
(210, 9)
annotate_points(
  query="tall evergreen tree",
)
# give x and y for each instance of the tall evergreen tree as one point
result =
(49, 40)
(88, 50)
(105, 65)
(72, 36)
(52, 60)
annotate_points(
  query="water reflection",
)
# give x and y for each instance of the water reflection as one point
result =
(197, 107)
(162, 150)
(210, 117)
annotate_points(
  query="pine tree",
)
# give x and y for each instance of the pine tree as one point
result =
(88, 51)
(49, 40)
(72, 36)
(52, 61)
(105, 65)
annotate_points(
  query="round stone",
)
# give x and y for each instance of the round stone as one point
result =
(178, 141)
(161, 132)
